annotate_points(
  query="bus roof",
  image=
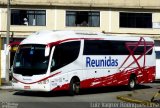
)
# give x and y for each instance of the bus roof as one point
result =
(46, 37)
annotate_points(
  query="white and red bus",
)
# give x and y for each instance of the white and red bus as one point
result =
(70, 60)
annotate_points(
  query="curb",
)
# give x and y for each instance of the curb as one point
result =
(143, 102)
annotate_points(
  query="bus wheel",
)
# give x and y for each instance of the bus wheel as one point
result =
(74, 87)
(132, 83)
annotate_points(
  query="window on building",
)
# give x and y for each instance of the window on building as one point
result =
(28, 17)
(157, 42)
(83, 18)
(135, 20)
(157, 54)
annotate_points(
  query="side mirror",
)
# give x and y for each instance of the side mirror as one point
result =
(47, 50)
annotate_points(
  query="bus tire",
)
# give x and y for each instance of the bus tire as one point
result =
(74, 87)
(132, 83)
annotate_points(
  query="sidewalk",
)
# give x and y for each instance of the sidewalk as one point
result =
(142, 97)
(6, 86)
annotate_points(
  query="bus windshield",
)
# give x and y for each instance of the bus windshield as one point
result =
(30, 60)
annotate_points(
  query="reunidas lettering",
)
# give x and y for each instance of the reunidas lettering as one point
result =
(106, 62)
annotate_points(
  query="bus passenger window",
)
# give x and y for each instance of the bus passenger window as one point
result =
(157, 54)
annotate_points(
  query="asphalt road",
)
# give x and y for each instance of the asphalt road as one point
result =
(88, 98)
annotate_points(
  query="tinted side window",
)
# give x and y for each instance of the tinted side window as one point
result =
(107, 47)
(140, 50)
(157, 54)
(93, 47)
(104, 47)
(64, 54)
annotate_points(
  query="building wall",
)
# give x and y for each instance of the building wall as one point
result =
(96, 3)
(0, 18)
(109, 22)
(109, 15)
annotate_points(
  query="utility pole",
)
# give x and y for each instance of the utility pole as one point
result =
(7, 40)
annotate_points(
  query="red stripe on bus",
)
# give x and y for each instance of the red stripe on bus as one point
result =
(136, 45)
(70, 39)
(120, 78)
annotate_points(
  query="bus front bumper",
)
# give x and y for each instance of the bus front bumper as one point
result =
(31, 87)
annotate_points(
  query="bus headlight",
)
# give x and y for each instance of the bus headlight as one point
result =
(44, 82)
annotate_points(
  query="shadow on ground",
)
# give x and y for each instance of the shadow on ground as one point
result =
(157, 81)
(82, 91)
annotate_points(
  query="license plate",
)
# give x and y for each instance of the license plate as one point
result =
(26, 87)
